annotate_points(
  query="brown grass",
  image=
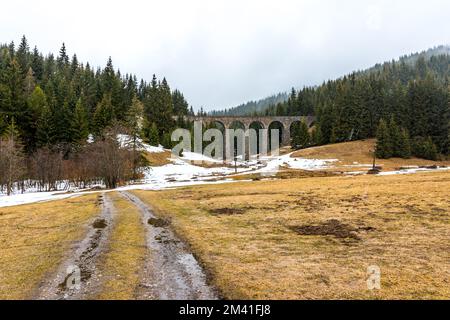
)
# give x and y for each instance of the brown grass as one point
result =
(34, 239)
(158, 159)
(282, 242)
(361, 152)
(122, 264)
(283, 173)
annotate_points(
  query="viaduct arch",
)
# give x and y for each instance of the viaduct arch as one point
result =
(265, 121)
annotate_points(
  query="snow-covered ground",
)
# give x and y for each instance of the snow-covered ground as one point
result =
(183, 172)
(411, 171)
(31, 197)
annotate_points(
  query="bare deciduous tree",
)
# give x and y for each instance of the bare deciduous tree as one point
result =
(12, 160)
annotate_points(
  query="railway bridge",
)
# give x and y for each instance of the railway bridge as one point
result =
(284, 124)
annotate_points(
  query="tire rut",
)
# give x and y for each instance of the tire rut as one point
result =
(77, 278)
(171, 272)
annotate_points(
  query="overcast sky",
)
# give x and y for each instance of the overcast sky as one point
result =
(222, 53)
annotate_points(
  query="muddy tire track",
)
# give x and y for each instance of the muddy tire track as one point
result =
(171, 272)
(83, 256)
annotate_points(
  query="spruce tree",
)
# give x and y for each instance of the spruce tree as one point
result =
(395, 135)
(44, 128)
(22, 56)
(404, 145)
(63, 58)
(80, 124)
(384, 144)
(301, 137)
(430, 150)
(103, 115)
(29, 83)
(37, 64)
(316, 135)
(153, 135)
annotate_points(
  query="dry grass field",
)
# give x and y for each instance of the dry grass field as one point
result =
(34, 239)
(360, 152)
(314, 238)
(304, 235)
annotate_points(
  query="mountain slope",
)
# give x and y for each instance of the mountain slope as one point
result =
(252, 107)
(260, 106)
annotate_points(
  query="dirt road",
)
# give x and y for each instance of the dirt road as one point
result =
(77, 277)
(170, 271)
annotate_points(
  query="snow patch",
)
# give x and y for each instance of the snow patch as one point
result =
(411, 171)
(191, 156)
(125, 140)
(32, 197)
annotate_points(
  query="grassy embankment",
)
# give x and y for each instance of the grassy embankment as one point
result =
(359, 153)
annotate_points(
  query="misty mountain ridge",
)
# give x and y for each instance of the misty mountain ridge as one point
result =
(260, 106)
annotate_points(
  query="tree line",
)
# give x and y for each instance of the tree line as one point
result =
(50, 105)
(414, 91)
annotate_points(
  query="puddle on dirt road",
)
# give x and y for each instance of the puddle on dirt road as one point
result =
(158, 223)
(171, 271)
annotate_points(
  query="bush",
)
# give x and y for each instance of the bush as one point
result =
(425, 148)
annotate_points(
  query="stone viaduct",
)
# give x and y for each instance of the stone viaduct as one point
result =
(264, 122)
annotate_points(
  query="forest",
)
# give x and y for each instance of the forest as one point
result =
(413, 94)
(60, 118)
(51, 106)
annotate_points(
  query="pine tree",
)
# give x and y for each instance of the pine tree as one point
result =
(62, 126)
(44, 128)
(37, 101)
(153, 135)
(429, 149)
(384, 145)
(316, 136)
(180, 105)
(404, 147)
(103, 115)
(37, 64)
(80, 124)
(395, 135)
(29, 82)
(165, 122)
(23, 55)
(301, 137)
(63, 58)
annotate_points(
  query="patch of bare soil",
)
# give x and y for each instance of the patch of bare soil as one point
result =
(299, 174)
(227, 211)
(331, 228)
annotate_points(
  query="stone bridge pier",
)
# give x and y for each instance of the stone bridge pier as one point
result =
(262, 122)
